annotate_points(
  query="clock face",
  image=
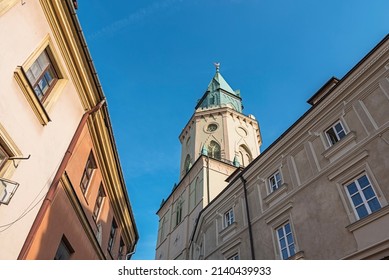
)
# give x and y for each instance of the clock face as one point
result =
(212, 127)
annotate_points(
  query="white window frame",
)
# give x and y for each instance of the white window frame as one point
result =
(360, 191)
(337, 134)
(229, 217)
(278, 183)
(288, 244)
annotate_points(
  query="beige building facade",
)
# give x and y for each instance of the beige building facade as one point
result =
(321, 190)
(217, 139)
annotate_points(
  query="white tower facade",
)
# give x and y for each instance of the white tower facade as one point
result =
(217, 139)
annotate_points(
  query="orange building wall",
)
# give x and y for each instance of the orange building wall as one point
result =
(62, 219)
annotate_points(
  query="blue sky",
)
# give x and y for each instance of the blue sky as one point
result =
(155, 60)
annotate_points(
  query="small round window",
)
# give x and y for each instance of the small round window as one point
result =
(212, 127)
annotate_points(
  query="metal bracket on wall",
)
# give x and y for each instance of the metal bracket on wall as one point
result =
(18, 158)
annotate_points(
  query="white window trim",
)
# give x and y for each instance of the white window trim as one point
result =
(353, 169)
(359, 190)
(227, 220)
(278, 185)
(282, 226)
(329, 142)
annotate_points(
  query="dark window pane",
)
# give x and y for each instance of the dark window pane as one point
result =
(338, 127)
(285, 254)
(287, 228)
(290, 238)
(291, 250)
(363, 181)
(374, 204)
(49, 77)
(282, 243)
(64, 250)
(341, 134)
(368, 192)
(43, 85)
(332, 136)
(352, 188)
(357, 199)
(280, 233)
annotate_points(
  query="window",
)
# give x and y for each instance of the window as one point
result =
(90, 166)
(244, 155)
(121, 249)
(275, 181)
(335, 133)
(64, 251)
(212, 127)
(187, 164)
(285, 241)
(229, 218)
(214, 150)
(363, 197)
(99, 202)
(42, 76)
(161, 230)
(41, 79)
(112, 235)
(179, 212)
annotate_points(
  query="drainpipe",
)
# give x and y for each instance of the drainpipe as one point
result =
(54, 185)
(248, 218)
(208, 195)
(129, 255)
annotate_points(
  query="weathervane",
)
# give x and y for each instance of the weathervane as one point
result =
(217, 65)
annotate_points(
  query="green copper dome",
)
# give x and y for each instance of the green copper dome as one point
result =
(219, 94)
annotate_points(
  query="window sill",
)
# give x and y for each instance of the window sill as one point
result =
(225, 232)
(368, 219)
(338, 149)
(276, 194)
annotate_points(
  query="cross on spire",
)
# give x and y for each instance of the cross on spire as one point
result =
(217, 65)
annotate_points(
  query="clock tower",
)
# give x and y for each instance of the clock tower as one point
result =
(217, 139)
(218, 128)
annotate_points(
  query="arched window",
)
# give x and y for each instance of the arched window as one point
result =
(179, 211)
(244, 155)
(214, 150)
(187, 164)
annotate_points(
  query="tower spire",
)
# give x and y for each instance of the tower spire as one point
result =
(217, 66)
